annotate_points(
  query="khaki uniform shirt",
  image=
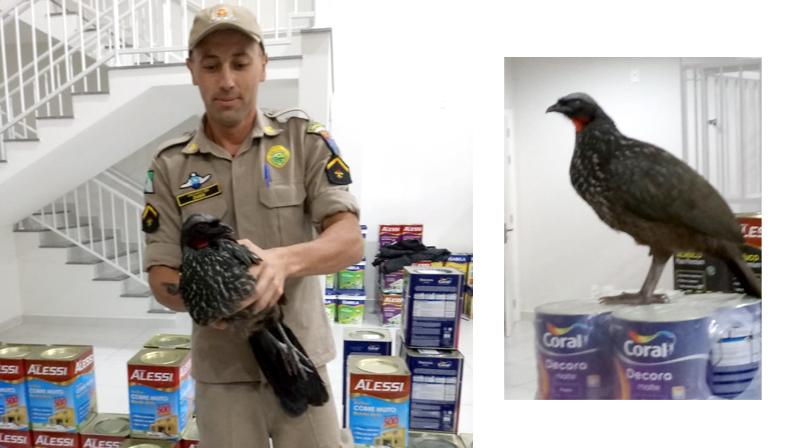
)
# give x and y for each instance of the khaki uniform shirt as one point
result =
(285, 210)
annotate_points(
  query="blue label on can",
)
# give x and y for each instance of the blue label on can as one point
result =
(61, 406)
(435, 391)
(379, 422)
(574, 356)
(159, 412)
(432, 312)
(661, 360)
(736, 351)
(13, 405)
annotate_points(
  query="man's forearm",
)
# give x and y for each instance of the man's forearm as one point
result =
(338, 246)
(164, 284)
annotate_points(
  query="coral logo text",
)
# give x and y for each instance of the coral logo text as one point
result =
(556, 337)
(641, 346)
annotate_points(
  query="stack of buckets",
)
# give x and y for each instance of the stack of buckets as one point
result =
(703, 346)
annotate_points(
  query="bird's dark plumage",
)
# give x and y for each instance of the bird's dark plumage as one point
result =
(215, 280)
(640, 189)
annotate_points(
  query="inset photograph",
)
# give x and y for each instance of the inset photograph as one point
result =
(633, 228)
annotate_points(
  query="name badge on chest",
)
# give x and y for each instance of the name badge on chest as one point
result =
(198, 195)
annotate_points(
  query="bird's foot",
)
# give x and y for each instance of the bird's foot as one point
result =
(636, 298)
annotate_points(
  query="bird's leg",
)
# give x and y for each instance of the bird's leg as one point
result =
(645, 295)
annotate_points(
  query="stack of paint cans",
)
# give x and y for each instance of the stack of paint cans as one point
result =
(390, 284)
(429, 345)
(573, 351)
(161, 390)
(362, 341)
(345, 293)
(704, 346)
(47, 394)
(378, 394)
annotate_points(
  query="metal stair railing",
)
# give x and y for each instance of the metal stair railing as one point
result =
(111, 207)
(115, 33)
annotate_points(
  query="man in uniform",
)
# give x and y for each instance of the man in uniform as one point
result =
(278, 183)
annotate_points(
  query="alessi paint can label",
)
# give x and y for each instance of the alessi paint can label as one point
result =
(362, 341)
(12, 438)
(13, 388)
(61, 387)
(573, 351)
(378, 400)
(161, 392)
(661, 351)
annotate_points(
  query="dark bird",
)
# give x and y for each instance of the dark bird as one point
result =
(648, 193)
(214, 282)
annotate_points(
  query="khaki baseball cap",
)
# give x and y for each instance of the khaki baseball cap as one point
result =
(220, 17)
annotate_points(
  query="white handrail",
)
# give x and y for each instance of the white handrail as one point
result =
(123, 241)
(127, 32)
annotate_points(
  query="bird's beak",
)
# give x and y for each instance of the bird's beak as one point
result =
(554, 108)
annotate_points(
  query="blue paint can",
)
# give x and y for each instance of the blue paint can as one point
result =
(573, 350)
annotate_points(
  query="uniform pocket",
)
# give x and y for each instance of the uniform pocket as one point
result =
(284, 204)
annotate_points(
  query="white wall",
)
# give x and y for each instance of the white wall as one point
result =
(565, 251)
(403, 121)
(10, 301)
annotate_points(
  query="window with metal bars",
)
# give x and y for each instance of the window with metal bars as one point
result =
(722, 126)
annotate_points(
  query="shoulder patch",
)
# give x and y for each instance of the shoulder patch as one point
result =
(337, 171)
(181, 140)
(315, 127)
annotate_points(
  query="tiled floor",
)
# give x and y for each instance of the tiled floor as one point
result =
(115, 343)
(520, 363)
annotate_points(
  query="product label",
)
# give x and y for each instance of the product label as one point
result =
(161, 399)
(12, 438)
(573, 356)
(62, 406)
(432, 313)
(657, 360)
(350, 311)
(435, 391)
(13, 396)
(378, 409)
(42, 439)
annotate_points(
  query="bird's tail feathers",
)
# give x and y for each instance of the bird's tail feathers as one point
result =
(732, 254)
(287, 367)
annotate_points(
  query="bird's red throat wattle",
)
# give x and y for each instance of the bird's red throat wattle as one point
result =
(580, 122)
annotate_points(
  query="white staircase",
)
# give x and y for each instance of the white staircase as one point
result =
(71, 231)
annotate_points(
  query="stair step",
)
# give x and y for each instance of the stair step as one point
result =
(79, 255)
(115, 278)
(68, 244)
(101, 92)
(59, 208)
(32, 139)
(131, 294)
(54, 117)
(161, 312)
(29, 225)
(94, 260)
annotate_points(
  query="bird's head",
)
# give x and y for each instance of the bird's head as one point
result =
(200, 229)
(578, 107)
